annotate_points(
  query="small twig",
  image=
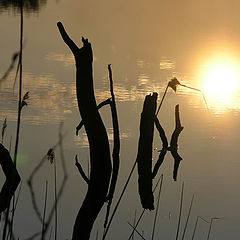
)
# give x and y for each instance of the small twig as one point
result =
(100, 105)
(80, 169)
(162, 100)
(196, 89)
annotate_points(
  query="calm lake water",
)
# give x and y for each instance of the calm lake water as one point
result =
(147, 44)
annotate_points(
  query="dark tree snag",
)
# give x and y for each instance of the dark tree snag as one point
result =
(164, 147)
(100, 158)
(144, 156)
(12, 178)
(173, 143)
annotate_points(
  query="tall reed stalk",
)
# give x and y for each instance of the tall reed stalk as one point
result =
(44, 210)
(156, 213)
(55, 196)
(134, 221)
(195, 226)
(119, 200)
(189, 212)
(210, 226)
(143, 211)
(20, 86)
(18, 124)
(180, 212)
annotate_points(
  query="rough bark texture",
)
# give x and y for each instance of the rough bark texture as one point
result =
(100, 159)
(144, 156)
(12, 178)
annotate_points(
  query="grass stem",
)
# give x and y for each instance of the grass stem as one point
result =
(180, 212)
(156, 212)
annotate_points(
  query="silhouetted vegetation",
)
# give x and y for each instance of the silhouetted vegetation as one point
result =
(104, 170)
(144, 155)
(12, 178)
(28, 5)
(101, 169)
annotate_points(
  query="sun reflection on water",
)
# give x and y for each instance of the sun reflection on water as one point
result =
(220, 83)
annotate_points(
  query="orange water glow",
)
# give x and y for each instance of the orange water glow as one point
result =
(220, 80)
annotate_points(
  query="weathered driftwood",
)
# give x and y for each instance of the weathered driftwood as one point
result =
(12, 178)
(173, 143)
(100, 158)
(144, 156)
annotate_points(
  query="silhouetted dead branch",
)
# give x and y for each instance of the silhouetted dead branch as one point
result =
(80, 169)
(164, 147)
(173, 143)
(97, 136)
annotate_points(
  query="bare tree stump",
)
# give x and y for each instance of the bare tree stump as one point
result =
(144, 156)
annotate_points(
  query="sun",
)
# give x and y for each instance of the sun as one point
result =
(221, 81)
